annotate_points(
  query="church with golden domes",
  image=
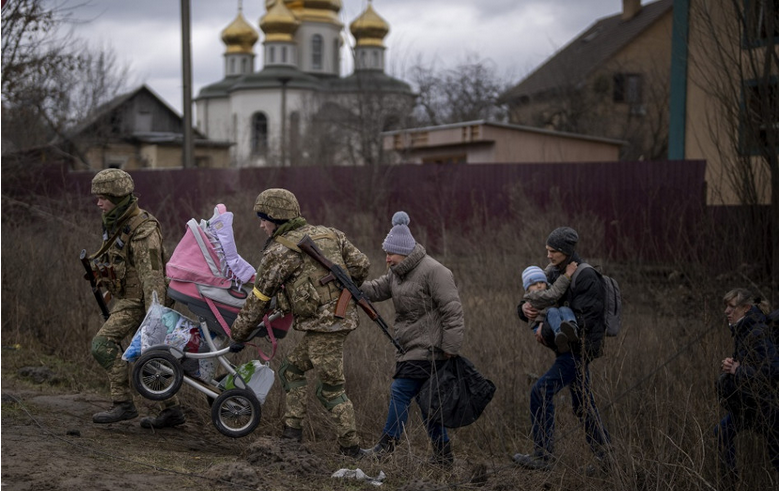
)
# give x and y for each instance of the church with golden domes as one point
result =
(297, 109)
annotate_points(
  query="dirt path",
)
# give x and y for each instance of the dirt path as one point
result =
(49, 442)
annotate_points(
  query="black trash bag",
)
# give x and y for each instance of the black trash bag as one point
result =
(456, 394)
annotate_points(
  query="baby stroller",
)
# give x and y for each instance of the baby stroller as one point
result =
(209, 277)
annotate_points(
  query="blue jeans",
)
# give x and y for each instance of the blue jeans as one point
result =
(557, 314)
(573, 372)
(403, 390)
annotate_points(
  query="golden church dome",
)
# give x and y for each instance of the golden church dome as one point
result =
(313, 10)
(239, 36)
(369, 29)
(279, 23)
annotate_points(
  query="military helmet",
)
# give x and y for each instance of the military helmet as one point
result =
(278, 204)
(112, 182)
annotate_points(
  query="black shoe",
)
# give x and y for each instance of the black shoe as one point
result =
(290, 433)
(561, 341)
(384, 446)
(534, 462)
(354, 451)
(441, 454)
(169, 417)
(568, 328)
(120, 411)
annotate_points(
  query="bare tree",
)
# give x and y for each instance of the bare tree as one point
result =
(469, 91)
(734, 55)
(50, 80)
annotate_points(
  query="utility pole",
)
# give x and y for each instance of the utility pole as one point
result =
(284, 81)
(187, 75)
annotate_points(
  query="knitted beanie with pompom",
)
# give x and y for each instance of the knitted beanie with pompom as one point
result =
(399, 240)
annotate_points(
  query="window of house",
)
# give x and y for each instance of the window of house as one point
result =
(758, 125)
(760, 23)
(446, 159)
(318, 52)
(259, 134)
(627, 88)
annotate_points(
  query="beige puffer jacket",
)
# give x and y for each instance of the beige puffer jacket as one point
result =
(428, 312)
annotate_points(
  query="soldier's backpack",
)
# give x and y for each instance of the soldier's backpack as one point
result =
(612, 303)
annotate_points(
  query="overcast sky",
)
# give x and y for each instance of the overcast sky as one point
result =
(517, 35)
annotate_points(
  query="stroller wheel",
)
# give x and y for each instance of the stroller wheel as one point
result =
(157, 375)
(236, 412)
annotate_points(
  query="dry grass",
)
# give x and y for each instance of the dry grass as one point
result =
(654, 385)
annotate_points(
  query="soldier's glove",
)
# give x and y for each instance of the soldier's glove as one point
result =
(236, 347)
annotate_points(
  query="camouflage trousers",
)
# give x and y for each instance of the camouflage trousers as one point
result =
(126, 317)
(323, 352)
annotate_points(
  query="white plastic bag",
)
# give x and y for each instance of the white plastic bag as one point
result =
(150, 333)
(157, 328)
(258, 376)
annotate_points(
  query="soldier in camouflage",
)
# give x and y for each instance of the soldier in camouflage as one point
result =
(292, 277)
(130, 265)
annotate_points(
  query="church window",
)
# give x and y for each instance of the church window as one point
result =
(284, 54)
(318, 52)
(271, 54)
(259, 134)
(376, 60)
(233, 68)
(244, 66)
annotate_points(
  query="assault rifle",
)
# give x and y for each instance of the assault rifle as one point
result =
(349, 289)
(96, 290)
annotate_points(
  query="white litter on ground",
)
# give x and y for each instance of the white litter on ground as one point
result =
(360, 475)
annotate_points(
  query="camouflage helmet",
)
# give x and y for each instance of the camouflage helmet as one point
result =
(278, 204)
(112, 182)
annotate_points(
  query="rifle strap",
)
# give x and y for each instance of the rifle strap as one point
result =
(291, 245)
(126, 230)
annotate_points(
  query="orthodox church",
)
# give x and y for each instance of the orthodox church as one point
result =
(298, 109)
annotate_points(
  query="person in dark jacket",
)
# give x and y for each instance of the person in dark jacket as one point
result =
(428, 324)
(570, 368)
(748, 385)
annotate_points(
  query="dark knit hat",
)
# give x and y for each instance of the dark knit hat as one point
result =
(399, 240)
(563, 239)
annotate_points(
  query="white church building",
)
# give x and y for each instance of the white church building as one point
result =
(298, 109)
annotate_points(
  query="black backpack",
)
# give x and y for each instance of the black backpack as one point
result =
(613, 302)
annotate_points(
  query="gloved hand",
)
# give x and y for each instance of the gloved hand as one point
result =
(236, 347)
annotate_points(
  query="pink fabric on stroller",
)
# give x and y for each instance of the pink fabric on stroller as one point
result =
(205, 281)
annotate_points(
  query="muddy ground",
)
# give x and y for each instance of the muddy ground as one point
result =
(49, 442)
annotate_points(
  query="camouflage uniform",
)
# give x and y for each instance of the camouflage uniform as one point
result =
(312, 305)
(131, 267)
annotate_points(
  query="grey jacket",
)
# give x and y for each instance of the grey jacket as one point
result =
(428, 312)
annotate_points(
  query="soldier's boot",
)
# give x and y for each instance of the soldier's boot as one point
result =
(120, 411)
(384, 447)
(169, 417)
(291, 433)
(441, 454)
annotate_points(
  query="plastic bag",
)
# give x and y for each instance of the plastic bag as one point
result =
(456, 394)
(258, 376)
(151, 332)
(157, 328)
